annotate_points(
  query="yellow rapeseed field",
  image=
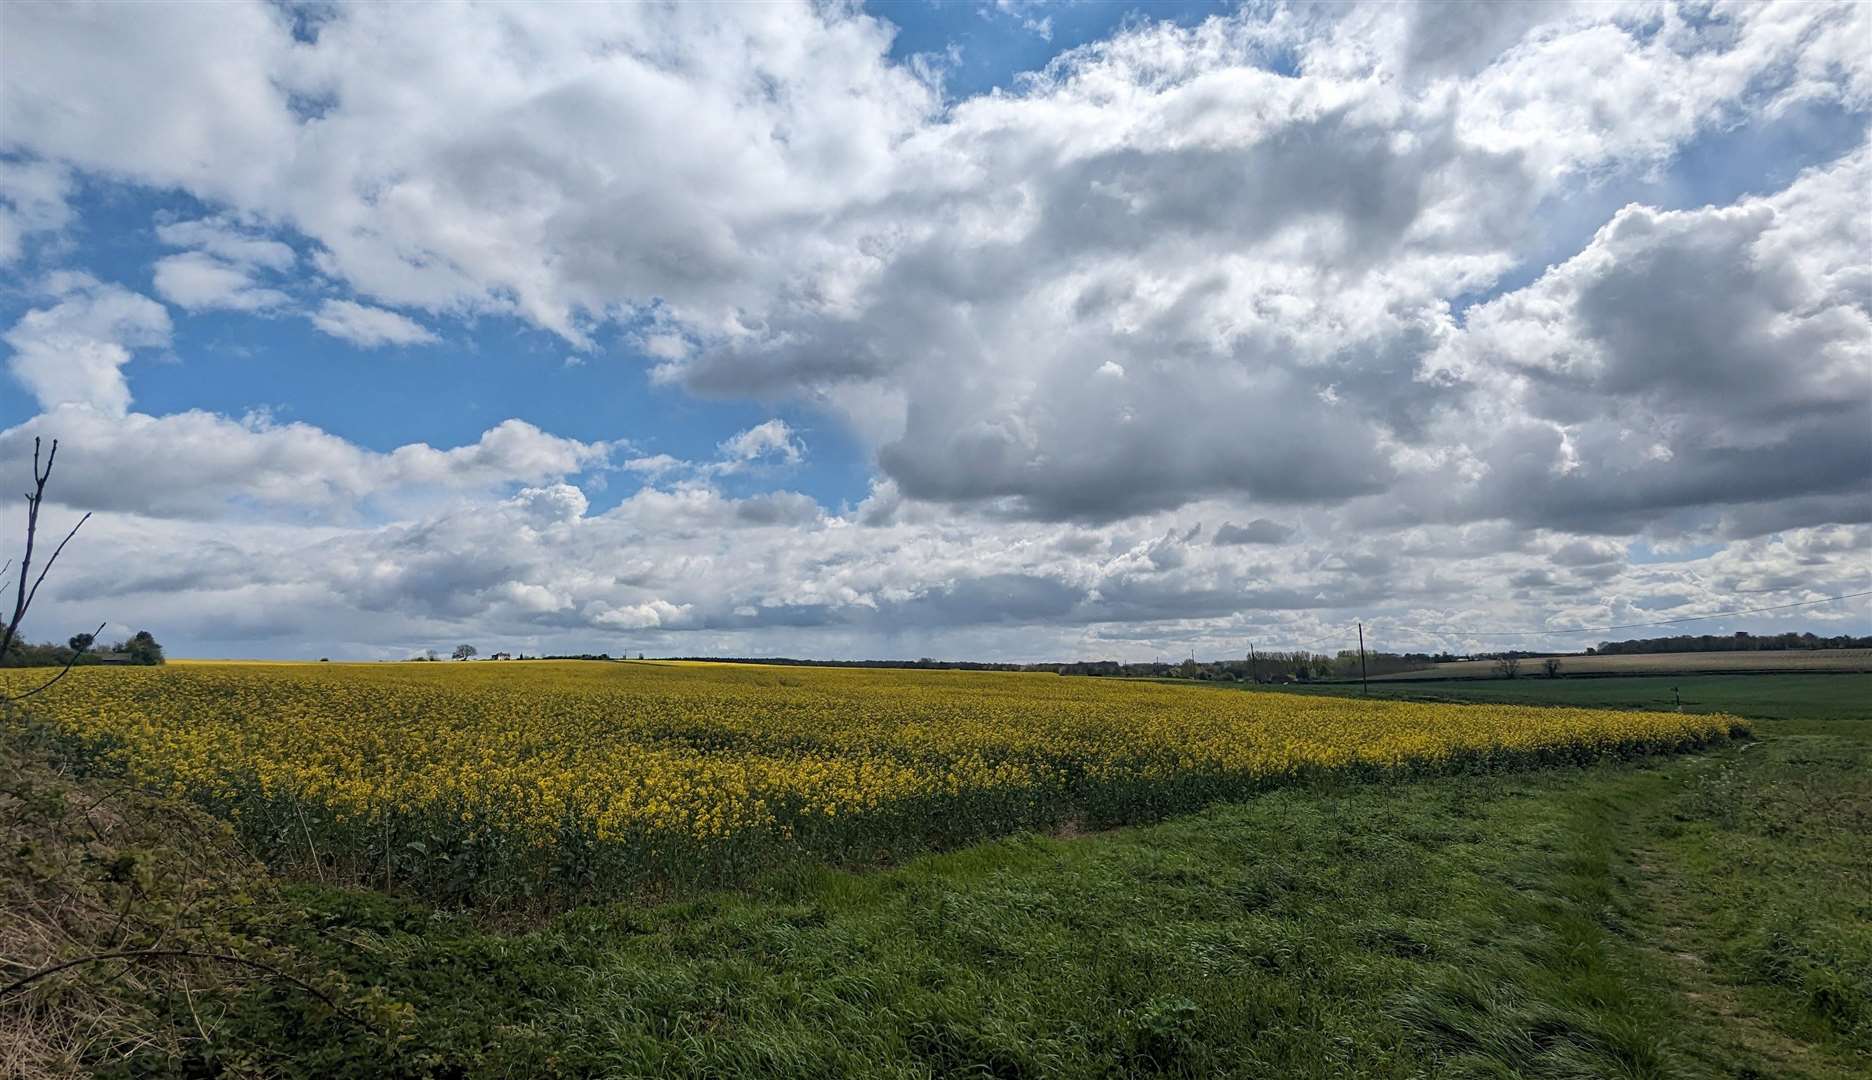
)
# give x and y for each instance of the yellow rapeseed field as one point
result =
(510, 778)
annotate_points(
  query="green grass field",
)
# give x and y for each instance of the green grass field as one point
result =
(1697, 916)
(1789, 661)
(1808, 703)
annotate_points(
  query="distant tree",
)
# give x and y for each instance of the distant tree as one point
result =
(463, 652)
(81, 642)
(142, 649)
(1508, 666)
(1552, 666)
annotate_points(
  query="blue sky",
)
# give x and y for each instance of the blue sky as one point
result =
(482, 370)
(803, 330)
(987, 47)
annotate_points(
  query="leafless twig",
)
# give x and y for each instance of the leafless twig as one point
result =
(76, 653)
(19, 985)
(22, 599)
(23, 596)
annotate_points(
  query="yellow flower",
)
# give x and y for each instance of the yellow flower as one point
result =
(644, 755)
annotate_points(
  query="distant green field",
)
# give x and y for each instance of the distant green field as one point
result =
(1819, 702)
(1800, 661)
(1784, 661)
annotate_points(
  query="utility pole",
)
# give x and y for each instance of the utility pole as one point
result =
(1254, 665)
(1364, 687)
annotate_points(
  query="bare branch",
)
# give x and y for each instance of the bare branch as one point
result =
(19, 985)
(32, 529)
(76, 653)
(47, 568)
(23, 596)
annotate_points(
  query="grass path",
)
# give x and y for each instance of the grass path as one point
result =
(1752, 878)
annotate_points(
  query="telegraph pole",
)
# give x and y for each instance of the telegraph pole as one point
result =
(1364, 687)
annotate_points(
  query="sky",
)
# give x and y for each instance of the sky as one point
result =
(1010, 331)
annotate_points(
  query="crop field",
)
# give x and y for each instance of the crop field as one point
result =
(527, 781)
(1787, 660)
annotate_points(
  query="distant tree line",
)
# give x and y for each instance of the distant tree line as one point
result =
(924, 662)
(81, 650)
(1279, 667)
(1264, 667)
(1737, 642)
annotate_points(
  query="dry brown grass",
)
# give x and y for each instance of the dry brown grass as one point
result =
(97, 866)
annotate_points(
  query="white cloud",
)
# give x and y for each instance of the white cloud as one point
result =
(655, 464)
(554, 504)
(32, 200)
(369, 327)
(691, 571)
(771, 440)
(769, 443)
(666, 346)
(228, 241)
(73, 352)
(222, 270)
(486, 157)
(1684, 363)
(199, 465)
(197, 281)
(1184, 278)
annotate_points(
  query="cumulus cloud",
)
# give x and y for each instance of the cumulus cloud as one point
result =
(1280, 267)
(554, 504)
(1259, 221)
(197, 464)
(72, 353)
(487, 156)
(199, 281)
(694, 571)
(228, 241)
(772, 440)
(369, 327)
(222, 268)
(771, 444)
(1686, 361)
